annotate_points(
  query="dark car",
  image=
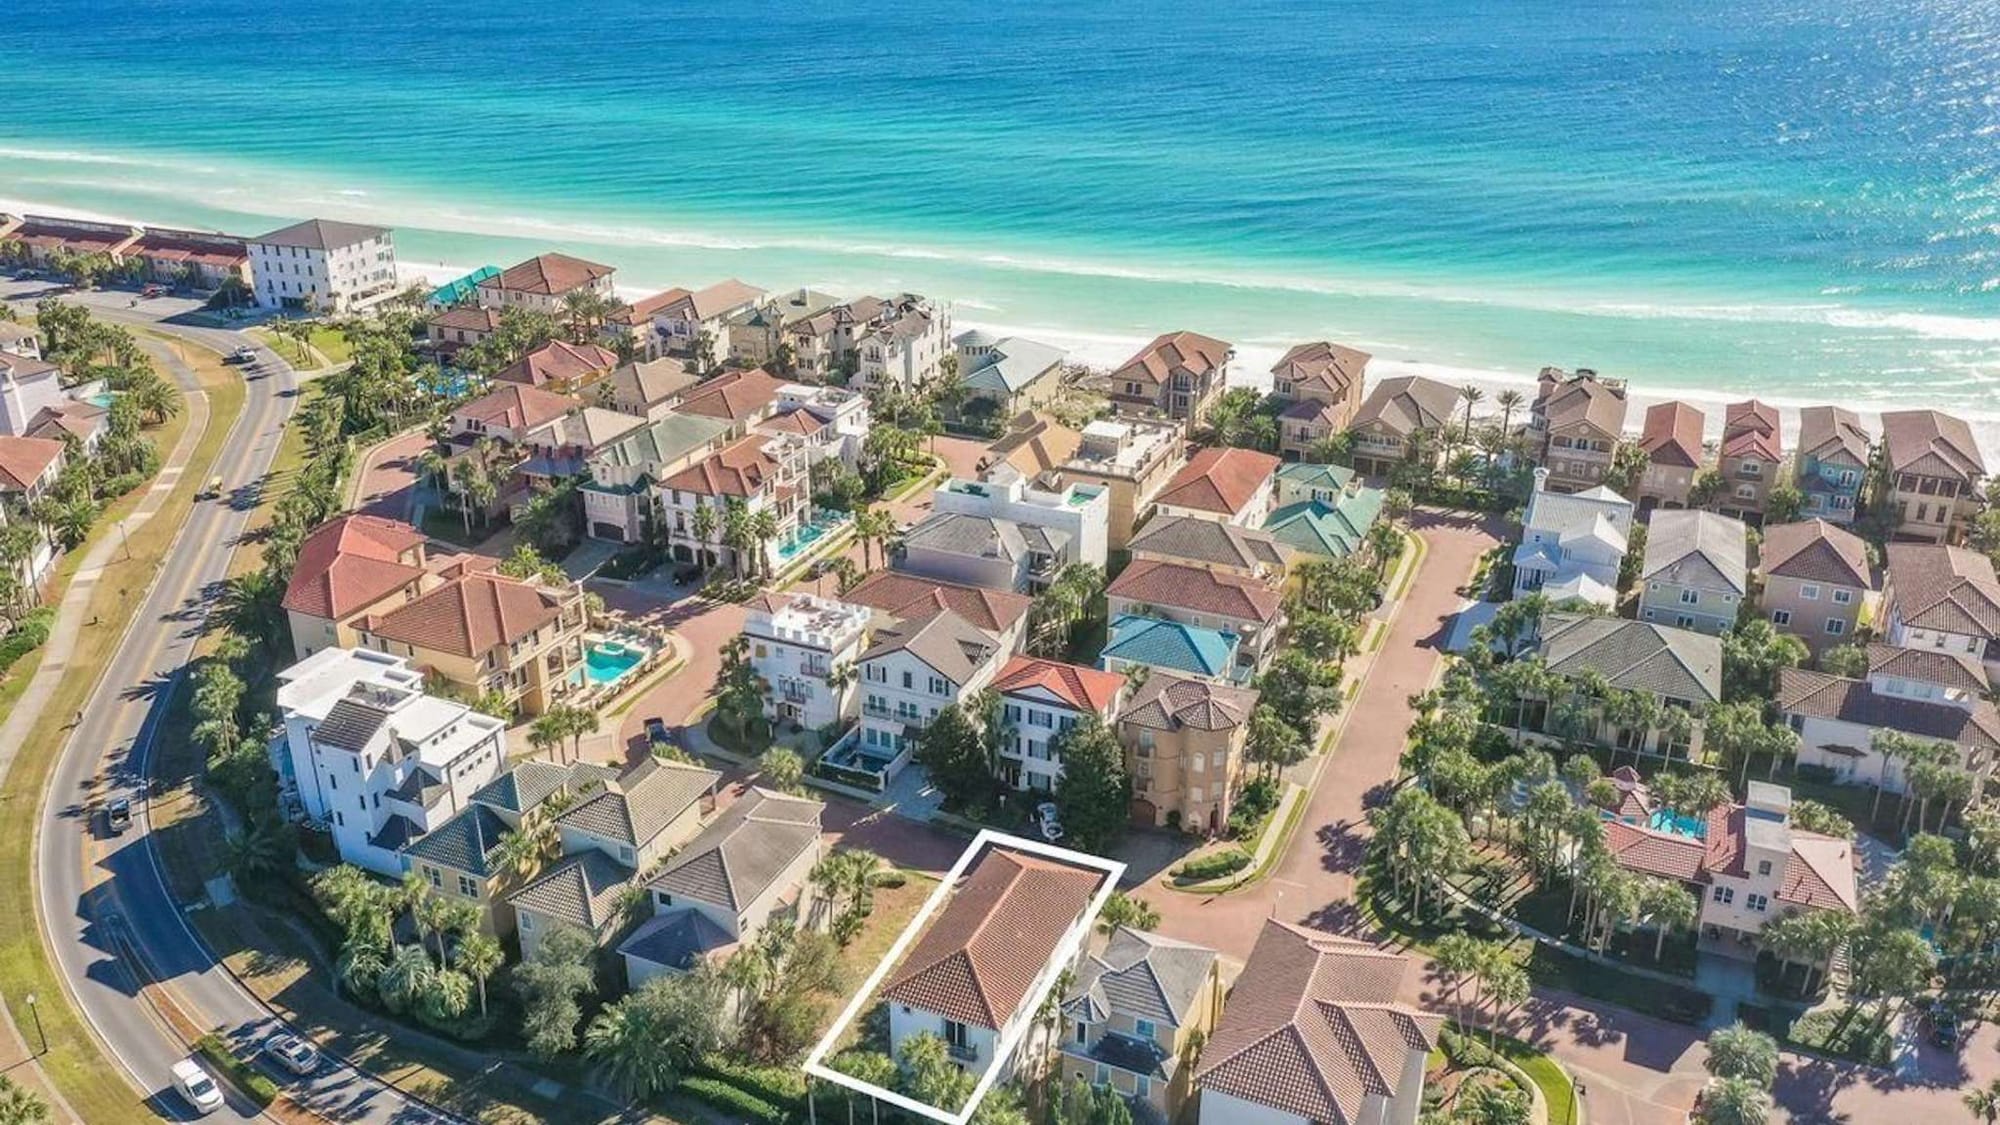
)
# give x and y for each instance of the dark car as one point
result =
(118, 815)
(656, 731)
(1944, 1027)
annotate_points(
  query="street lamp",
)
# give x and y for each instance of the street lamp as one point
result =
(39, 1033)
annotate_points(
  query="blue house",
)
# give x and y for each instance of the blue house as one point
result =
(1833, 461)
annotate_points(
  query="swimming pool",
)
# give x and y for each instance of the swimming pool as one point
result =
(101, 399)
(808, 533)
(607, 662)
(1666, 820)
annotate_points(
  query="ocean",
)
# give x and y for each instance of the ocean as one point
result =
(1795, 199)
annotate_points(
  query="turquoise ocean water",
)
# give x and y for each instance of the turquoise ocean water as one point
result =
(1800, 199)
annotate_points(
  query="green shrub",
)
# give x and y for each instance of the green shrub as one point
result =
(1214, 866)
(28, 634)
(889, 880)
(777, 1085)
(729, 1099)
(236, 1072)
(860, 779)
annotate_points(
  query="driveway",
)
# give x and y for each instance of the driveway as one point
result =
(386, 484)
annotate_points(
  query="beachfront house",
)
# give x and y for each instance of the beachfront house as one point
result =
(1183, 739)
(1575, 425)
(1832, 462)
(1322, 385)
(1931, 474)
(1672, 442)
(805, 650)
(323, 266)
(1136, 1014)
(545, 284)
(904, 346)
(1005, 375)
(1696, 572)
(1816, 578)
(694, 326)
(191, 259)
(1178, 375)
(1399, 420)
(784, 326)
(1752, 453)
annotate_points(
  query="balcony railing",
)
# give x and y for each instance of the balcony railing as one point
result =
(962, 1052)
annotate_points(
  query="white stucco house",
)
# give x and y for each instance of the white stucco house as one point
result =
(806, 650)
(1572, 544)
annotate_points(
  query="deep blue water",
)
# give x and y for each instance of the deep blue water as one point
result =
(1797, 198)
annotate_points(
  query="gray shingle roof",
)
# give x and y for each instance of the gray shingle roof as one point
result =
(1207, 541)
(676, 938)
(1637, 655)
(320, 234)
(735, 860)
(958, 534)
(1565, 514)
(636, 807)
(1014, 363)
(465, 843)
(953, 646)
(349, 724)
(581, 890)
(1142, 976)
(1697, 549)
(524, 787)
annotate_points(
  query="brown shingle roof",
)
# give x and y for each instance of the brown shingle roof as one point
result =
(1208, 541)
(549, 275)
(1081, 689)
(351, 562)
(713, 301)
(981, 955)
(516, 406)
(1817, 694)
(1952, 589)
(468, 616)
(732, 395)
(1750, 429)
(1219, 480)
(1169, 701)
(1313, 1027)
(23, 460)
(1816, 551)
(559, 360)
(1568, 398)
(1931, 443)
(1408, 403)
(1175, 352)
(645, 308)
(908, 596)
(1322, 369)
(1156, 582)
(1828, 432)
(738, 469)
(470, 318)
(1672, 435)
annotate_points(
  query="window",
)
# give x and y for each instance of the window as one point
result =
(1141, 1085)
(1082, 1033)
(1843, 597)
(909, 680)
(527, 920)
(1145, 1028)
(1725, 895)
(467, 887)
(1196, 764)
(954, 1034)
(436, 878)
(1763, 867)
(1781, 617)
(1690, 597)
(1758, 903)
(1835, 626)
(1194, 794)
(1809, 592)
(1103, 1075)
(1683, 621)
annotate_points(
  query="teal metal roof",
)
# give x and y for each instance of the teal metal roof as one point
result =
(1305, 475)
(461, 290)
(1169, 644)
(1335, 530)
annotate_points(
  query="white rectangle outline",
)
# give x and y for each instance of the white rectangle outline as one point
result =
(1066, 950)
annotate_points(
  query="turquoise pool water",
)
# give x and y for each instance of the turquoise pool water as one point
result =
(101, 398)
(810, 532)
(607, 662)
(1668, 821)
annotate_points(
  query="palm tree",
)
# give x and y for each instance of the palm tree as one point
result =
(762, 528)
(477, 956)
(1473, 396)
(1458, 956)
(873, 526)
(1984, 1102)
(1510, 400)
(1739, 1052)
(1669, 906)
(703, 525)
(405, 977)
(521, 850)
(20, 1107)
(1735, 1101)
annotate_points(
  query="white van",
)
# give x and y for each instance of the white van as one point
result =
(197, 1087)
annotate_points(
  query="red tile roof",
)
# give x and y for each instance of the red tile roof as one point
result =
(1219, 480)
(1750, 429)
(1172, 352)
(549, 275)
(469, 616)
(1082, 689)
(1672, 435)
(646, 308)
(1816, 551)
(468, 318)
(909, 596)
(983, 952)
(734, 470)
(1819, 872)
(1159, 582)
(23, 460)
(351, 562)
(559, 360)
(517, 407)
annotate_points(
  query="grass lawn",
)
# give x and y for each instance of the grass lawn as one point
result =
(894, 907)
(74, 1060)
(332, 343)
(332, 347)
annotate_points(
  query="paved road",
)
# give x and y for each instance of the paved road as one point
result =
(107, 911)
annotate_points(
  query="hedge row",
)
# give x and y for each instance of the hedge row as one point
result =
(1214, 866)
(28, 634)
(729, 1099)
(236, 1072)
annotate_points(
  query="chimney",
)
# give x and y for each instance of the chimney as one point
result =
(1541, 479)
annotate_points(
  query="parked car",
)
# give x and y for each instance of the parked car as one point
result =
(657, 732)
(1944, 1026)
(153, 291)
(1046, 819)
(197, 1087)
(293, 1053)
(118, 815)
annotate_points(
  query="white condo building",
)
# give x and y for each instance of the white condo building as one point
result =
(322, 266)
(375, 759)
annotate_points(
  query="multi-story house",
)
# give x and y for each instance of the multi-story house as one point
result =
(906, 346)
(1575, 425)
(913, 670)
(894, 597)
(1681, 669)
(971, 977)
(1232, 485)
(464, 858)
(545, 283)
(1832, 462)
(752, 864)
(1183, 739)
(190, 259)
(1040, 701)
(760, 474)
(374, 758)
(634, 329)
(823, 343)
(624, 827)
(1928, 694)
(833, 422)
(1322, 384)
(1322, 510)
(561, 367)
(1398, 420)
(1572, 544)
(1133, 460)
(1158, 644)
(484, 633)
(1696, 571)
(19, 341)
(696, 326)
(1932, 472)
(347, 567)
(1671, 441)
(646, 388)
(323, 266)
(29, 467)
(1250, 609)
(42, 237)
(1178, 375)
(1315, 1032)
(1220, 547)
(506, 414)
(760, 334)
(1136, 1015)
(805, 650)
(1943, 598)
(1752, 453)
(1006, 374)
(1079, 514)
(1815, 581)
(461, 327)
(985, 551)
(1035, 445)
(741, 398)
(1750, 864)
(622, 498)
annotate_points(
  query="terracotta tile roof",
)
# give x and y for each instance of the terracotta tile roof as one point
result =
(560, 360)
(469, 318)
(908, 596)
(1219, 480)
(1833, 432)
(1819, 871)
(1672, 435)
(1750, 430)
(1931, 443)
(644, 309)
(548, 275)
(350, 562)
(1169, 702)
(1816, 551)
(1322, 368)
(80, 420)
(1081, 689)
(1645, 850)
(733, 395)
(1174, 352)
(516, 406)
(717, 299)
(1818, 695)
(23, 460)
(739, 469)
(1313, 1027)
(1952, 670)
(797, 420)
(469, 616)
(981, 955)
(1952, 589)
(1156, 582)
(1408, 403)
(1568, 398)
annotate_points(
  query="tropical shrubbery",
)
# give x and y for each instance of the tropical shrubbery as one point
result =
(436, 979)
(1213, 866)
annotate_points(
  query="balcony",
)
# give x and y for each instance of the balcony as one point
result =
(962, 1052)
(877, 711)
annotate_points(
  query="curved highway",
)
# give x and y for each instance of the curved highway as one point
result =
(108, 914)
